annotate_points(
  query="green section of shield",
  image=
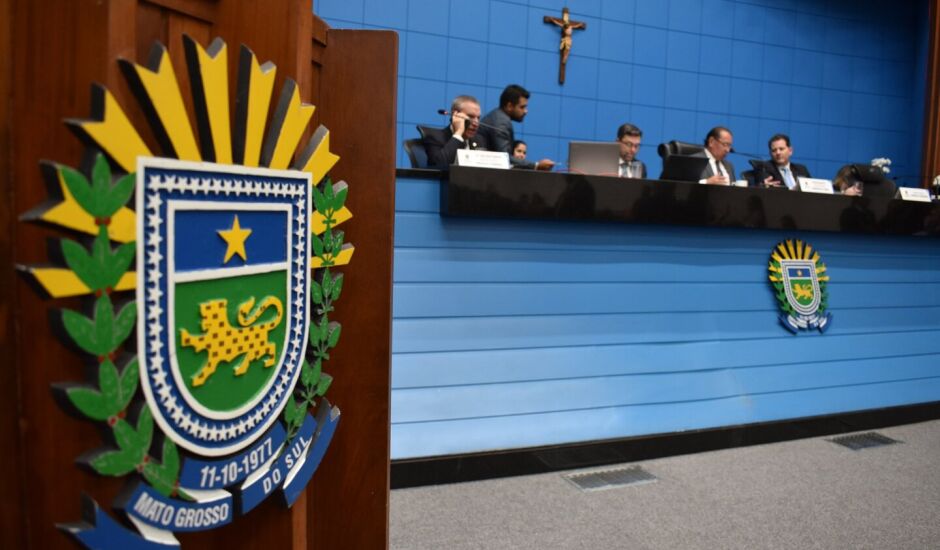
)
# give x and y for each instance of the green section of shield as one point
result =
(806, 285)
(223, 390)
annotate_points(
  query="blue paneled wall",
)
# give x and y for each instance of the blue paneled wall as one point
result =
(844, 78)
(511, 334)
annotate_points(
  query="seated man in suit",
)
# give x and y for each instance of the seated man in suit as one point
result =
(629, 137)
(461, 133)
(497, 126)
(779, 171)
(718, 143)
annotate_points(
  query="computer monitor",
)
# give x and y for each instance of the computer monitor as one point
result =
(683, 168)
(596, 158)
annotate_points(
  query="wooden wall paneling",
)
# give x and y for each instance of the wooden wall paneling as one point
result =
(362, 132)
(152, 22)
(206, 10)
(11, 514)
(931, 160)
(56, 60)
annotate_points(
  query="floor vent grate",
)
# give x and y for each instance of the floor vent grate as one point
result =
(609, 479)
(866, 440)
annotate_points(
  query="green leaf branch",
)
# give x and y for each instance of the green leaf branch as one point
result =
(102, 335)
(325, 290)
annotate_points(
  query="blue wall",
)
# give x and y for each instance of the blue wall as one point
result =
(842, 77)
(517, 333)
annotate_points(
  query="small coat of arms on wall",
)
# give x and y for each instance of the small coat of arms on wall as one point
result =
(222, 253)
(799, 279)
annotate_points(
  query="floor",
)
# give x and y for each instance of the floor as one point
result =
(809, 493)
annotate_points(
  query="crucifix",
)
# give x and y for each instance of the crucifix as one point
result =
(567, 27)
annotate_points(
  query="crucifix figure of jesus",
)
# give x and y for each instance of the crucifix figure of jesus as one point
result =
(567, 27)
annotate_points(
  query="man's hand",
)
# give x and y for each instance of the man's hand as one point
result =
(771, 182)
(545, 164)
(717, 180)
(458, 123)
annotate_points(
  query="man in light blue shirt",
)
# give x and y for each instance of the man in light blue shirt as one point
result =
(779, 171)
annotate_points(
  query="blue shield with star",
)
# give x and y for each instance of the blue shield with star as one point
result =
(224, 278)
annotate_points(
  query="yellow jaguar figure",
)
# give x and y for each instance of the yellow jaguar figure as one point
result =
(225, 342)
(803, 292)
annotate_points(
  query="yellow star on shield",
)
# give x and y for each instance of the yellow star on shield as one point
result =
(235, 237)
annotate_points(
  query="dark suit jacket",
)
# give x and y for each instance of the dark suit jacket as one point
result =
(771, 169)
(498, 136)
(709, 171)
(637, 162)
(441, 147)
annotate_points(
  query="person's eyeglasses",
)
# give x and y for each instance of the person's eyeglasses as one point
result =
(724, 144)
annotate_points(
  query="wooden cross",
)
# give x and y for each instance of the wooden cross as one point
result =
(567, 27)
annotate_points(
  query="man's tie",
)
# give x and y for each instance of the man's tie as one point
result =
(788, 177)
(718, 171)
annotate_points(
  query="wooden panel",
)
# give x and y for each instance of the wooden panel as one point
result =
(931, 160)
(58, 58)
(206, 10)
(357, 465)
(12, 535)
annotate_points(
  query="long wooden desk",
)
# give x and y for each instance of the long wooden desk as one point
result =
(479, 192)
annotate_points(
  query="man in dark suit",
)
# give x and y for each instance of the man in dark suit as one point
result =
(779, 171)
(442, 145)
(629, 137)
(718, 143)
(497, 126)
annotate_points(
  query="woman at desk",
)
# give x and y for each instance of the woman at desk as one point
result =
(848, 183)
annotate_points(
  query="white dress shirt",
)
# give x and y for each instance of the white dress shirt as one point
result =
(717, 166)
(629, 169)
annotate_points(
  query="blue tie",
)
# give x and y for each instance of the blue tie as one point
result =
(788, 177)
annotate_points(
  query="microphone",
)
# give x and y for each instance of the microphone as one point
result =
(480, 122)
(743, 154)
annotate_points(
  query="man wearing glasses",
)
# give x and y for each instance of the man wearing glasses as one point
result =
(629, 137)
(718, 144)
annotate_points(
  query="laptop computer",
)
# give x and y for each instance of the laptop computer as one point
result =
(596, 158)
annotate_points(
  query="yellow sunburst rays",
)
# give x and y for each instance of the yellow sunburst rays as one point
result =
(243, 141)
(790, 250)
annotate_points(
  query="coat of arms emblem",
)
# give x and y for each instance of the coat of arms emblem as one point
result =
(220, 254)
(799, 280)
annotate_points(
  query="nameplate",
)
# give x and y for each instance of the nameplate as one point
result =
(482, 159)
(913, 194)
(814, 185)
